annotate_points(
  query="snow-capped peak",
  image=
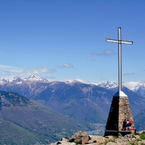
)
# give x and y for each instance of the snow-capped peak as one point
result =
(34, 78)
(3, 81)
(108, 84)
(19, 80)
(134, 85)
(76, 81)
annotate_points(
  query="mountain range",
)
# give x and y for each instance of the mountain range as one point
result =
(137, 87)
(80, 102)
(67, 96)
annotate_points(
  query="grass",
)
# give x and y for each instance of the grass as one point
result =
(142, 135)
(77, 143)
(107, 142)
(115, 137)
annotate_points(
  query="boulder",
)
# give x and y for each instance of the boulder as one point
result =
(127, 139)
(110, 137)
(80, 137)
(140, 132)
(64, 139)
(63, 143)
(111, 143)
(142, 142)
(96, 139)
(130, 137)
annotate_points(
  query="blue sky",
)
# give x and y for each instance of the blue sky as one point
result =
(65, 39)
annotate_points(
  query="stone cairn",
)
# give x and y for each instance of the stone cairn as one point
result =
(120, 120)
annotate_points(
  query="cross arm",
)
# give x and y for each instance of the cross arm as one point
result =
(119, 41)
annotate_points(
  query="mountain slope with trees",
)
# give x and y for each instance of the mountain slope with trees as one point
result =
(24, 121)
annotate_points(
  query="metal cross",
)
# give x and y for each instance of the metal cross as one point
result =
(120, 42)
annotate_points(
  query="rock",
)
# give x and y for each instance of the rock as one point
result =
(53, 143)
(80, 137)
(140, 132)
(141, 142)
(96, 139)
(110, 137)
(111, 143)
(83, 138)
(130, 137)
(67, 143)
(65, 139)
(63, 143)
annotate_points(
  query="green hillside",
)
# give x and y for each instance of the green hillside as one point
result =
(23, 121)
(11, 133)
(140, 121)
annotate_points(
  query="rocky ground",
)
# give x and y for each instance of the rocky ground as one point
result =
(84, 138)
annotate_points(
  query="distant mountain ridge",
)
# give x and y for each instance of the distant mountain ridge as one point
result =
(76, 99)
(134, 86)
(18, 79)
(108, 84)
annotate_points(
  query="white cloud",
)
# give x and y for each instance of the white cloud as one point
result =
(10, 68)
(38, 70)
(10, 71)
(4, 69)
(127, 74)
(106, 52)
(6, 66)
(109, 52)
(93, 53)
(68, 65)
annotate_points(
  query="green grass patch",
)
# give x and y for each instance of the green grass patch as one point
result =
(109, 141)
(142, 135)
(115, 137)
(77, 143)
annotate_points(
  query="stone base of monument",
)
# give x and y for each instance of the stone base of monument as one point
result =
(120, 120)
(117, 133)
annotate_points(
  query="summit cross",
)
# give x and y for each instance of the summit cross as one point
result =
(120, 42)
